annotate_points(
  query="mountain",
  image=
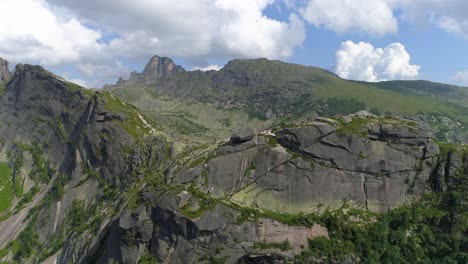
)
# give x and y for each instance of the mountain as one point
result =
(66, 149)
(261, 93)
(86, 177)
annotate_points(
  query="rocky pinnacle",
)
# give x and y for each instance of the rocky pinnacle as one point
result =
(4, 71)
(156, 68)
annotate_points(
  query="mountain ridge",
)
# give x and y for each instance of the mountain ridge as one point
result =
(273, 91)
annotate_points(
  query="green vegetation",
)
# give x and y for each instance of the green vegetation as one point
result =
(283, 246)
(433, 230)
(6, 187)
(226, 122)
(213, 260)
(446, 92)
(73, 86)
(27, 243)
(375, 111)
(271, 141)
(181, 122)
(389, 101)
(108, 192)
(27, 198)
(198, 161)
(70, 85)
(205, 202)
(57, 189)
(41, 171)
(55, 244)
(134, 197)
(132, 122)
(195, 120)
(254, 214)
(17, 181)
(2, 88)
(147, 258)
(252, 167)
(445, 148)
(77, 216)
(255, 114)
(338, 106)
(356, 126)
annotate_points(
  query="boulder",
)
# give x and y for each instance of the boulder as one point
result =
(243, 135)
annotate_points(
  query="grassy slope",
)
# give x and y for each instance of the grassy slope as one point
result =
(450, 93)
(327, 85)
(391, 101)
(202, 119)
(6, 187)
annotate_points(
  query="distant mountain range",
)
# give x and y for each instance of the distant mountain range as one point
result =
(261, 93)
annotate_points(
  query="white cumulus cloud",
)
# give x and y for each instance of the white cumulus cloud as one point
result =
(449, 15)
(381, 17)
(361, 61)
(462, 77)
(210, 67)
(96, 37)
(370, 16)
(192, 29)
(453, 25)
(30, 31)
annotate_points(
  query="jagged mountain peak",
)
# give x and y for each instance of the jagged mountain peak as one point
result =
(161, 67)
(156, 68)
(33, 81)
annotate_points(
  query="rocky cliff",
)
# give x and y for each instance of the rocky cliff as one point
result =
(157, 67)
(68, 149)
(90, 179)
(260, 197)
(4, 71)
(377, 164)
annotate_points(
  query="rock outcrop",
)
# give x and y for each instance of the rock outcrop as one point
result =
(382, 165)
(379, 165)
(243, 135)
(158, 230)
(157, 68)
(4, 71)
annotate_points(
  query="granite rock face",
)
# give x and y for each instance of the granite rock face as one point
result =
(65, 137)
(383, 166)
(159, 231)
(71, 125)
(243, 135)
(4, 71)
(157, 67)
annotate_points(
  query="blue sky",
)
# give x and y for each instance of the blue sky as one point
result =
(93, 43)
